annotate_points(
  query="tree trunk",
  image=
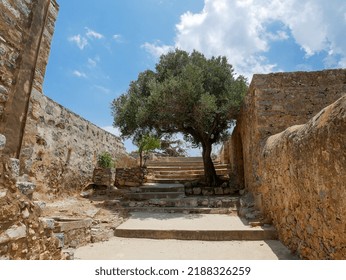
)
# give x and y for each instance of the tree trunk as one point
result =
(209, 168)
(140, 158)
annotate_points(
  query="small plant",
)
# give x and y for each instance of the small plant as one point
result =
(105, 160)
(146, 144)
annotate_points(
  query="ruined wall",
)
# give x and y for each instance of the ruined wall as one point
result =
(41, 142)
(303, 184)
(297, 176)
(60, 149)
(22, 24)
(273, 103)
(14, 29)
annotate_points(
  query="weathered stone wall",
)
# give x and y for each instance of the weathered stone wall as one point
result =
(130, 177)
(14, 15)
(56, 147)
(60, 149)
(22, 25)
(297, 176)
(303, 184)
(273, 103)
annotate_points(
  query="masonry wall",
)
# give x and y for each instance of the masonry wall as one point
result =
(14, 28)
(41, 143)
(22, 24)
(297, 176)
(303, 184)
(273, 103)
(60, 149)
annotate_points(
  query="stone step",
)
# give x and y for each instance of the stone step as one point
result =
(207, 227)
(177, 163)
(180, 168)
(190, 201)
(152, 187)
(185, 172)
(169, 181)
(177, 159)
(153, 195)
(180, 176)
(185, 210)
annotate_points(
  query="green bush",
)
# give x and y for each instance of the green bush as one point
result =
(105, 160)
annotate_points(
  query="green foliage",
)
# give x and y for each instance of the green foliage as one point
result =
(148, 143)
(186, 93)
(105, 160)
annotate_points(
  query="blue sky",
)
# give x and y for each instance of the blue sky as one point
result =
(100, 46)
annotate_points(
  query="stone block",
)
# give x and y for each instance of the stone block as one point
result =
(48, 223)
(188, 190)
(61, 238)
(197, 191)
(2, 142)
(218, 191)
(14, 166)
(26, 188)
(132, 184)
(208, 191)
(3, 193)
(13, 233)
(40, 204)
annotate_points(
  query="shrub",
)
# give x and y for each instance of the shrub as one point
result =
(105, 160)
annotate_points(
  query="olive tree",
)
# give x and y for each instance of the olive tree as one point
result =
(187, 93)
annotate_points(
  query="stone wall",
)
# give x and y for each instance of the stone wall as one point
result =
(297, 176)
(130, 177)
(22, 28)
(303, 184)
(60, 149)
(57, 150)
(273, 103)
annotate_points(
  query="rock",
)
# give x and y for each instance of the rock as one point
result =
(26, 188)
(132, 184)
(207, 191)
(197, 191)
(219, 191)
(3, 193)
(13, 233)
(48, 223)
(3, 90)
(2, 142)
(14, 166)
(61, 239)
(25, 213)
(40, 204)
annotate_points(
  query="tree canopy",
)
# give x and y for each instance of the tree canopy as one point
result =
(187, 93)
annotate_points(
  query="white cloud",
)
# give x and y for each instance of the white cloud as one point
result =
(93, 34)
(157, 49)
(118, 38)
(79, 74)
(243, 31)
(79, 40)
(92, 62)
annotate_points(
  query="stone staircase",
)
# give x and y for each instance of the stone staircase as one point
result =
(171, 198)
(163, 211)
(179, 169)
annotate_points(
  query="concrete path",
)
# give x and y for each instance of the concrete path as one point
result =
(155, 229)
(119, 248)
(209, 227)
